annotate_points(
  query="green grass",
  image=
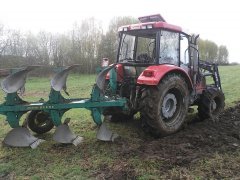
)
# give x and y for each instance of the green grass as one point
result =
(92, 157)
(230, 77)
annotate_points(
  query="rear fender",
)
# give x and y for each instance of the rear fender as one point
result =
(152, 75)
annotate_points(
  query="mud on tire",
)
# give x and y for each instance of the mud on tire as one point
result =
(211, 103)
(165, 106)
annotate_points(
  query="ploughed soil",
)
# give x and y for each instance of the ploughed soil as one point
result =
(199, 142)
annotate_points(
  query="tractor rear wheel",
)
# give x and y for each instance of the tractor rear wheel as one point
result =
(39, 122)
(211, 103)
(165, 106)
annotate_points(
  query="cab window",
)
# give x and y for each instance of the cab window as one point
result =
(169, 48)
(184, 53)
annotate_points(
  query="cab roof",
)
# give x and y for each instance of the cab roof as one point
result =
(151, 22)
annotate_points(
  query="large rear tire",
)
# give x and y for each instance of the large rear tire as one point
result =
(39, 122)
(211, 103)
(165, 106)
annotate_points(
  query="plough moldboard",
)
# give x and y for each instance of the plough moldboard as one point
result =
(49, 113)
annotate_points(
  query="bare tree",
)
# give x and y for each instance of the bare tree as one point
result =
(222, 55)
(3, 40)
(44, 46)
(86, 39)
(109, 41)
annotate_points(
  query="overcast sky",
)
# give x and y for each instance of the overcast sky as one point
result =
(218, 21)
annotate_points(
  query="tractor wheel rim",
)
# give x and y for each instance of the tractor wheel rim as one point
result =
(169, 105)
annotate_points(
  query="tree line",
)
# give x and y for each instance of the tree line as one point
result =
(85, 44)
(211, 52)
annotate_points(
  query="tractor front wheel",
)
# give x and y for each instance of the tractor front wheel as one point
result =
(39, 122)
(165, 106)
(211, 103)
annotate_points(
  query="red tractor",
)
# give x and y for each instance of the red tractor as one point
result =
(159, 72)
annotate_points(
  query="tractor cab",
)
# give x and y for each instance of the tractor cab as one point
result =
(152, 42)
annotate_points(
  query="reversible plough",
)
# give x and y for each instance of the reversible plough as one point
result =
(15, 107)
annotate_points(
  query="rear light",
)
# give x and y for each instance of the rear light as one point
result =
(135, 27)
(123, 29)
(150, 26)
(148, 73)
(120, 29)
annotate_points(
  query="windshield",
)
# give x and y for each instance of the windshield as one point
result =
(138, 47)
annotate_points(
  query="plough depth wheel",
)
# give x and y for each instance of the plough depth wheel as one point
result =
(39, 122)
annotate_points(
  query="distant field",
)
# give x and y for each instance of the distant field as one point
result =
(230, 77)
(92, 158)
